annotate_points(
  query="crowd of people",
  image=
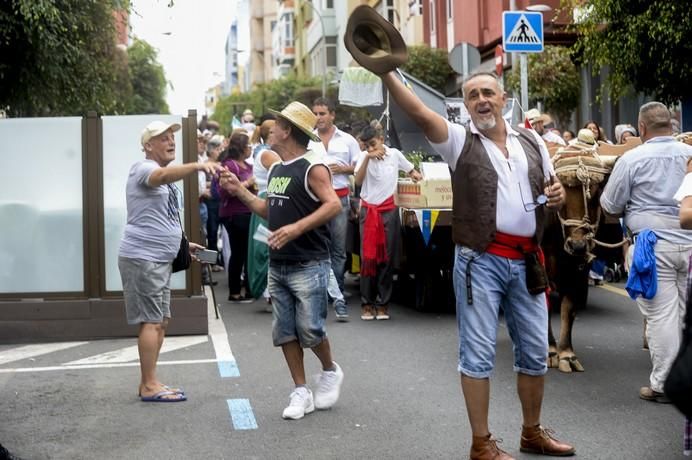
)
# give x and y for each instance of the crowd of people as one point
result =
(294, 173)
(278, 194)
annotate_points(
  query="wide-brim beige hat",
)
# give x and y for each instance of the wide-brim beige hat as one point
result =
(155, 128)
(535, 115)
(300, 116)
(373, 41)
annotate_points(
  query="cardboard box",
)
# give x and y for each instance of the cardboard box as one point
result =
(434, 191)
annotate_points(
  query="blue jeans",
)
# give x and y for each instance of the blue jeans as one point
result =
(337, 249)
(299, 301)
(498, 283)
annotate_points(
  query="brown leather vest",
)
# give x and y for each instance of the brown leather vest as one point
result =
(474, 184)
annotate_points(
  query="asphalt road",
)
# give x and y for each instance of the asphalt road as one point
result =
(400, 398)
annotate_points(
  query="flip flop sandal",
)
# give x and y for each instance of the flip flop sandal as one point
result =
(161, 397)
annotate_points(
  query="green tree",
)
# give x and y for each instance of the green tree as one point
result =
(644, 44)
(147, 79)
(553, 80)
(59, 58)
(429, 65)
(276, 94)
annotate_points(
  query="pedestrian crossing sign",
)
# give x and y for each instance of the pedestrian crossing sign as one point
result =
(522, 32)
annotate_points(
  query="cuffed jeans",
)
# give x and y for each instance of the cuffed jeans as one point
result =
(665, 312)
(498, 283)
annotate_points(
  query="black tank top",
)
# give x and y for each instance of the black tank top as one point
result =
(290, 199)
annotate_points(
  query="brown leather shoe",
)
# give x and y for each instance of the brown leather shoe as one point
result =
(648, 394)
(367, 313)
(539, 440)
(485, 448)
(382, 312)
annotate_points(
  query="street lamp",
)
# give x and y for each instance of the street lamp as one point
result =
(324, 46)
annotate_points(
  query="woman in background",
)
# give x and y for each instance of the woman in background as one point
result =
(258, 252)
(235, 216)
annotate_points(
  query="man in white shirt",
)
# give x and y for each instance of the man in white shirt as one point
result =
(342, 151)
(499, 174)
(538, 122)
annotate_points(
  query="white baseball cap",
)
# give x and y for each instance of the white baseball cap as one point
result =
(155, 128)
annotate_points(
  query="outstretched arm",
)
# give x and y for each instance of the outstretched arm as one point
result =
(431, 123)
(231, 184)
(174, 173)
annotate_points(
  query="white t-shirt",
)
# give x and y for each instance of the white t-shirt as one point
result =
(201, 175)
(513, 188)
(381, 175)
(685, 189)
(260, 172)
(343, 149)
(554, 138)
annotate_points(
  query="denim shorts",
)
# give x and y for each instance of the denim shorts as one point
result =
(498, 283)
(299, 300)
(146, 290)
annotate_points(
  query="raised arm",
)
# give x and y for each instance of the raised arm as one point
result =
(431, 123)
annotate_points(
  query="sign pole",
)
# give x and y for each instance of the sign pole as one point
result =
(465, 59)
(524, 73)
(522, 32)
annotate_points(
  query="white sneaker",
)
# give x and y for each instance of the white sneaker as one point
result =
(300, 404)
(328, 388)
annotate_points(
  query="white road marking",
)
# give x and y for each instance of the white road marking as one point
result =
(217, 331)
(103, 366)
(30, 351)
(124, 355)
(614, 289)
(128, 356)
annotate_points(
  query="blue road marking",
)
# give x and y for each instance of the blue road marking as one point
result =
(228, 369)
(241, 414)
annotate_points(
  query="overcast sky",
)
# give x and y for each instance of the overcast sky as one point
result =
(190, 39)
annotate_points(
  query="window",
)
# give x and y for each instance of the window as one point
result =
(432, 16)
(415, 7)
(450, 10)
(387, 10)
(329, 4)
(433, 24)
(287, 30)
(331, 51)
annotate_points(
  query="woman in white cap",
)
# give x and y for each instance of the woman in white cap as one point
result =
(150, 243)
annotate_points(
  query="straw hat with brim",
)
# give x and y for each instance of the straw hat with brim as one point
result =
(535, 115)
(299, 116)
(373, 41)
(155, 128)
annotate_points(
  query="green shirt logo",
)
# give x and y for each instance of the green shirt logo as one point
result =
(278, 185)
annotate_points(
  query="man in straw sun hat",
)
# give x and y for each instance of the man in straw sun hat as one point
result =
(538, 121)
(502, 179)
(300, 202)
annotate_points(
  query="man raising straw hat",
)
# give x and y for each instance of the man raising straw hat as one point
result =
(300, 201)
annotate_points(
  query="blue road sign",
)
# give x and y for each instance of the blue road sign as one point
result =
(522, 32)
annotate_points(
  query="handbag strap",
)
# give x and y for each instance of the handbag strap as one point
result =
(172, 189)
